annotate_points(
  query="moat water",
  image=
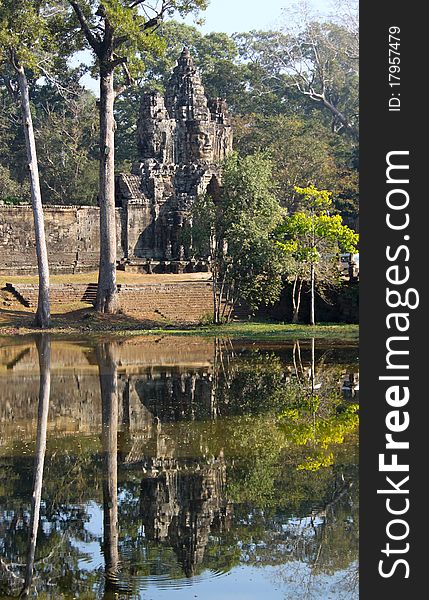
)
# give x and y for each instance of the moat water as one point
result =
(174, 468)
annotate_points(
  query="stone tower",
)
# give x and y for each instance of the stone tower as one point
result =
(182, 139)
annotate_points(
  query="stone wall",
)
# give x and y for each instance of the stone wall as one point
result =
(158, 302)
(72, 234)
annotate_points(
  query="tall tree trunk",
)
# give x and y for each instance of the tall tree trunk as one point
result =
(312, 302)
(296, 299)
(43, 316)
(294, 317)
(107, 369)
(107, 291)
(43, 344)
(215, 290)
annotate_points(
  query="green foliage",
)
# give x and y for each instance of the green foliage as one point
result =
(312, 233)
(302, 429)
(127, 34)
(24, 34)
(317, 435)
(301, 104)
(66, 129)
(66, 135)
(299, 156)
(311, 61)
(235, 231)
(312, 239)
(35, 35)
(11, 192)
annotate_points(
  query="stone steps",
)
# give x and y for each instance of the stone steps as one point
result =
(60, 293)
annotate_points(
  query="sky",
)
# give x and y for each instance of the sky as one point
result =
(232, 16)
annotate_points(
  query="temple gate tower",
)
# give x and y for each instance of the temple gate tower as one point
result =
(182, 139)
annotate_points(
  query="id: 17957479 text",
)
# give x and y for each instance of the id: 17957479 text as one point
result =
(394, 75)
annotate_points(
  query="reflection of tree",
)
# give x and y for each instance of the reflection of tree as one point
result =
(245, 446)
(43, 344)
(107, 368)
(326, 543)
(8, 571)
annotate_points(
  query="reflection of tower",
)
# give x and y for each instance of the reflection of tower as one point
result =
(182, 139)
(176, 395)
(181, 502)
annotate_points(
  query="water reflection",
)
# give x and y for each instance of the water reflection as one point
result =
(173, 461)
(43, 345)
(20, 581)
(107, 368)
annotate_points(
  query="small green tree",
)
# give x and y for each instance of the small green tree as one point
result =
(235, 230)
(312, 237)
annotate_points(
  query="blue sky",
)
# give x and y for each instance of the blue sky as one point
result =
(233, 16)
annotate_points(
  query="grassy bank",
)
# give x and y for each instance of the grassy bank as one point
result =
(123, 327)
(80, 320)
(273, 331)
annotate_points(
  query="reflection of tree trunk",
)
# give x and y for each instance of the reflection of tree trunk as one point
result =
(299, 369)
(109, 397)
(44, 351)
(313, 364)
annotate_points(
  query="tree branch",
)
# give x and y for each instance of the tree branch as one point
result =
(93, 39)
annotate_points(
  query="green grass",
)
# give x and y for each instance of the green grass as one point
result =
(257, 331)
(271, 331)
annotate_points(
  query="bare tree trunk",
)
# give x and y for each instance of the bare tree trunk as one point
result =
(226, 302)
(312, 311)
(43, 316)
(107, 290)
(214, 288)
(216, 299)
(294, 360)
(231, 310)
(43, 344)
(107, 369)
(222, 301)
(293, 298)
(296, 300)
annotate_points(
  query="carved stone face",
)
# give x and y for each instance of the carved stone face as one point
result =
(201, 143)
